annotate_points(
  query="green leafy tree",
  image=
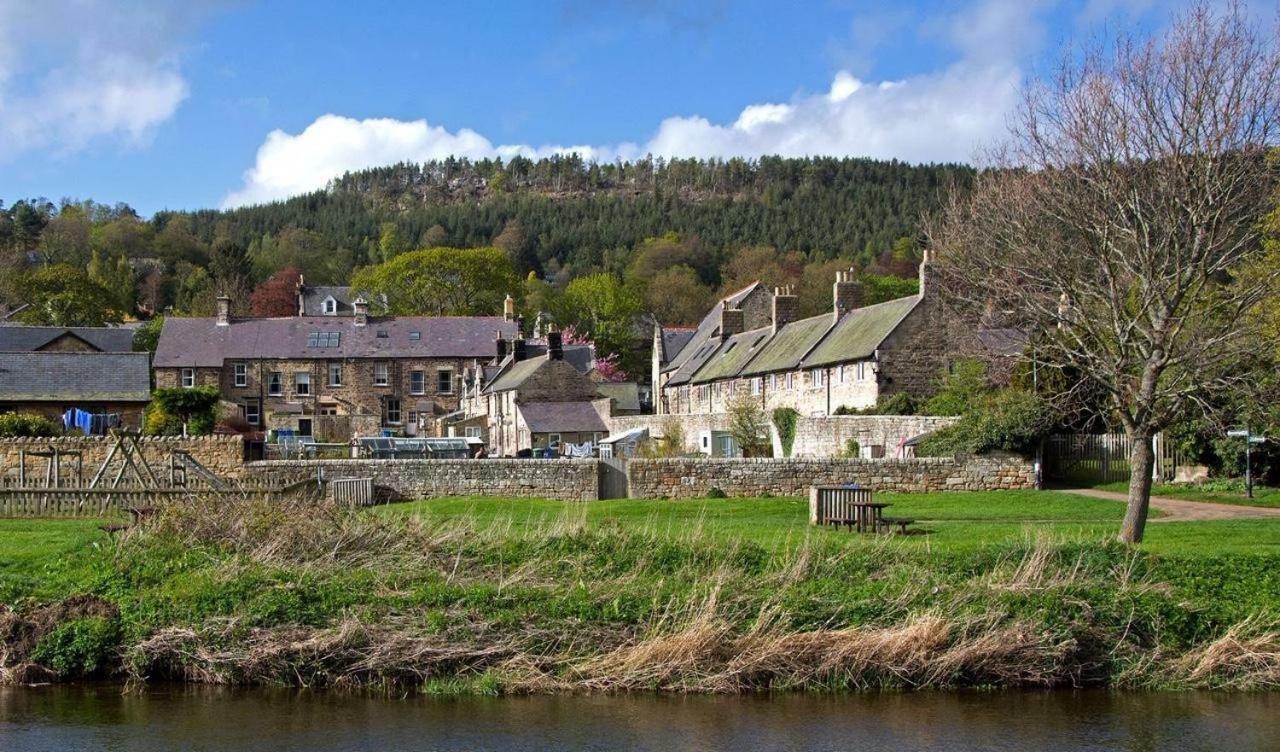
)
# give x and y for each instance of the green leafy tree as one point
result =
(677, 296)
(196, 408)
(606, 311)
(62, 295)
(442, 282)
(748, 425)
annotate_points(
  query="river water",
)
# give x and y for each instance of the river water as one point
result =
(201, 718)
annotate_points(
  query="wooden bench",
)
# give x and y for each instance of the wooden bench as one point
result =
(900, 522)
(113, 529)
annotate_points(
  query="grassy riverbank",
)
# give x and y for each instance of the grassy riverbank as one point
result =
(513, 595)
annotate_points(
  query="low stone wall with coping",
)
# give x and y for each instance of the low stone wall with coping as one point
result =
(695, 477)
(574, 480)
(222, 455)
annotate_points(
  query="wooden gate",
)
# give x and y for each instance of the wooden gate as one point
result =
(613, 478)
(1092, 459)
(352, 492)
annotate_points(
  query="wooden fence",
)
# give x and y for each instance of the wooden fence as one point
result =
(1092, 459)
(111, 502)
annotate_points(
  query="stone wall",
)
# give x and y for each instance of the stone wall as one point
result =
(223, 455)
(576, 480)
(691, 478)
(816, 436)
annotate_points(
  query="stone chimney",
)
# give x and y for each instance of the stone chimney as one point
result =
(732, 321)
(224, 310)
(361, 308)
(786, 307)
(501, 343)
(555, 345)
(509, 309)
(846, 293)
(926, 271)
(519, 349)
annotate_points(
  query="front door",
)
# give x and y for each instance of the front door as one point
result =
(304, 426)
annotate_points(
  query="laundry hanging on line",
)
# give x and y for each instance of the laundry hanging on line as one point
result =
(92, 424)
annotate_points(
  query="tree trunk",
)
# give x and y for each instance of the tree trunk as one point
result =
(1141, 461)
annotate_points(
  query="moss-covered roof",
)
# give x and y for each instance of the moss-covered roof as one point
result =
(735, 353)
(516, 375)
(860, 332)
(789, 346)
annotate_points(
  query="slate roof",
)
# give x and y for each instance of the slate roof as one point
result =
(74, 377)
(706, 332)
(625, 394)
(200, 342)
(561, 417)
(673, 341)
(516, 374)
(857, 335)
(581, 357)
(735, 353)
(789, 346)
(15, 338)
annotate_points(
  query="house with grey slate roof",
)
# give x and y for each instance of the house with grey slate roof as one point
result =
(332, 377)
(49, 383)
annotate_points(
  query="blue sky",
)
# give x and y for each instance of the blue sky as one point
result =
(210, 103)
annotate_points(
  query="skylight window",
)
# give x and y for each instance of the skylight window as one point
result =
(382, 334)
(323, 339)
(415, 336)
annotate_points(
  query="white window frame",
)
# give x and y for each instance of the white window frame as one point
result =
(275, 384)
(417, 381)
(330, 306)
(816, 377)
(188, 378)
(302, 383)
(790, 380)
(447, 373)
(472, 432)
(840, 374)
(862, 370)
(240, 374)
(335, 369)
(381, 374)
(253, 412)
(757, 385)
(553, 439)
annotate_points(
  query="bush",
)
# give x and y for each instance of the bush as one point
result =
(171, 408)
(26, 424)
(748, 425)
(1011, 420)
(784, 418)
(80, 648)
(964, 388)
(852, 450)
(891, 404)
(716, 492)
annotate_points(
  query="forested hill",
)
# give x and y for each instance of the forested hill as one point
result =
(565, 214)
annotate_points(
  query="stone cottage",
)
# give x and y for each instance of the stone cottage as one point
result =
(330, 376)
(846, 358)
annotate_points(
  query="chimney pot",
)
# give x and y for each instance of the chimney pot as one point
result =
(509, 309)
(555, 345)
(361, 308)
(224, 310)
(847, 293)
(786, 307)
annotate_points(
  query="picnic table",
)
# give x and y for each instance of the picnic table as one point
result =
(853, 507)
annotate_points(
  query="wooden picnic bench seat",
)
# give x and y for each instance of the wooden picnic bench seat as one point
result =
(113, 529)
(900, 522)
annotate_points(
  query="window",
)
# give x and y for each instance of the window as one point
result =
(472, 431)
(553, 439)
(330, 307)
(840, 374)
(757, 384)
(380, 377)
(275, 386)
(862, 371)
(188, 378)
(382, 334)
(415, 336)
(816, 377)
(393, 410)
(302, 384)
(304, 426)
(335, 374)
(252, 412)
(413, 418)
(241, 374)
(791, 381)
(324, 339)
(444, 381)
(417, 382)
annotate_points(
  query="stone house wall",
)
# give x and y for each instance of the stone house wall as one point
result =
(694, 478)
(222, 455)
(130, 412)
(574, 480)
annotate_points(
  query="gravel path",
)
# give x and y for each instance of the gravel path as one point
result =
(1180, 510)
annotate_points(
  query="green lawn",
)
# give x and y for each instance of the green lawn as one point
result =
(1263, 496)
(958, 520)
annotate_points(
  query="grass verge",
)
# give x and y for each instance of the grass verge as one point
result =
(510, 595)
(1263, 496)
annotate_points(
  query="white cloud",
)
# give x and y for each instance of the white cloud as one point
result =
(73, 71)
(945, 115)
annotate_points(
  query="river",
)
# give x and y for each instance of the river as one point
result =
(201, 718)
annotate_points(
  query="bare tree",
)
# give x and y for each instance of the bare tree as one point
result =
(1113, 222)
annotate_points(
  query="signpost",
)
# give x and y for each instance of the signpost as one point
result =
(1249, 441)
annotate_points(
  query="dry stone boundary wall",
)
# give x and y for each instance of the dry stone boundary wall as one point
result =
(223, 455)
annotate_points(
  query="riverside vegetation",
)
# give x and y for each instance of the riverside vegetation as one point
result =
(515, 595)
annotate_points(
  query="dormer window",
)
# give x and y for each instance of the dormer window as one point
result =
(330, 306)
